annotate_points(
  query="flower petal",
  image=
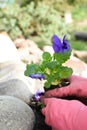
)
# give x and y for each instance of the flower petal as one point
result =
(56, 44)
(37, 76)
(65, 45)
(38, 94)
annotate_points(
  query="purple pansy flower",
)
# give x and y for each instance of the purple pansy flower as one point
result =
(59, 45)
(37, 76)
(38, 94)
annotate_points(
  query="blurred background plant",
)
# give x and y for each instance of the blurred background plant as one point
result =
(39, 20)
(4, 3)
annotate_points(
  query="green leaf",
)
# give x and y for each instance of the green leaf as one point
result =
(46, 56)
(51, 64)
(61, 58)
(65, 72)
(26, 73)
(47, 84)
(31, 69)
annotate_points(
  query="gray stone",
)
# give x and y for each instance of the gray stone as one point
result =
(8, 51)
(13, 82)
(15, 114)
(28, 50)
(17, 88)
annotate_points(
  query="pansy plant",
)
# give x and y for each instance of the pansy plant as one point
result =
(51, 68)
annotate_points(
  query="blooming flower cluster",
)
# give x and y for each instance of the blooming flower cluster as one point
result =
(51, 68)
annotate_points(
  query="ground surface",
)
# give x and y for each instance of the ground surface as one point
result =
(40, 124)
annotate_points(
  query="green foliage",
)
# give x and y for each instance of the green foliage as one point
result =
(38, 23)
(79, 13)
(62, 57)
(78, 45)
(78, 2)
(3, 3)
(46, 56)
(38, 20)
(32, 68)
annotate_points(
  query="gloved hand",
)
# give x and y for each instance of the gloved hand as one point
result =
(77, 87)
(65, 115)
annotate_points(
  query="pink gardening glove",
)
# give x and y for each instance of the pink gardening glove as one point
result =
(65, 115)
(77, 87)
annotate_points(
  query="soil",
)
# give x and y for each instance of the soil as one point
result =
(40, 122)
(39, 117)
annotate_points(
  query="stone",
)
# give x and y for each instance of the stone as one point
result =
(13, 82)
(79, 67)
(15, 114)
(8, 51)
(48, 49)
(80, 36)
(16, 88)
(28, 50)
(68, 17)
(82, 55)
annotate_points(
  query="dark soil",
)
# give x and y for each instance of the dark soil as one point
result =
(39, 117)
(40, 122)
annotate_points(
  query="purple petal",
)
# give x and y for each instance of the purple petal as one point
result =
(64, 38)
(37, 76)
(65, 45)
(38, 94)
(56, 44)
